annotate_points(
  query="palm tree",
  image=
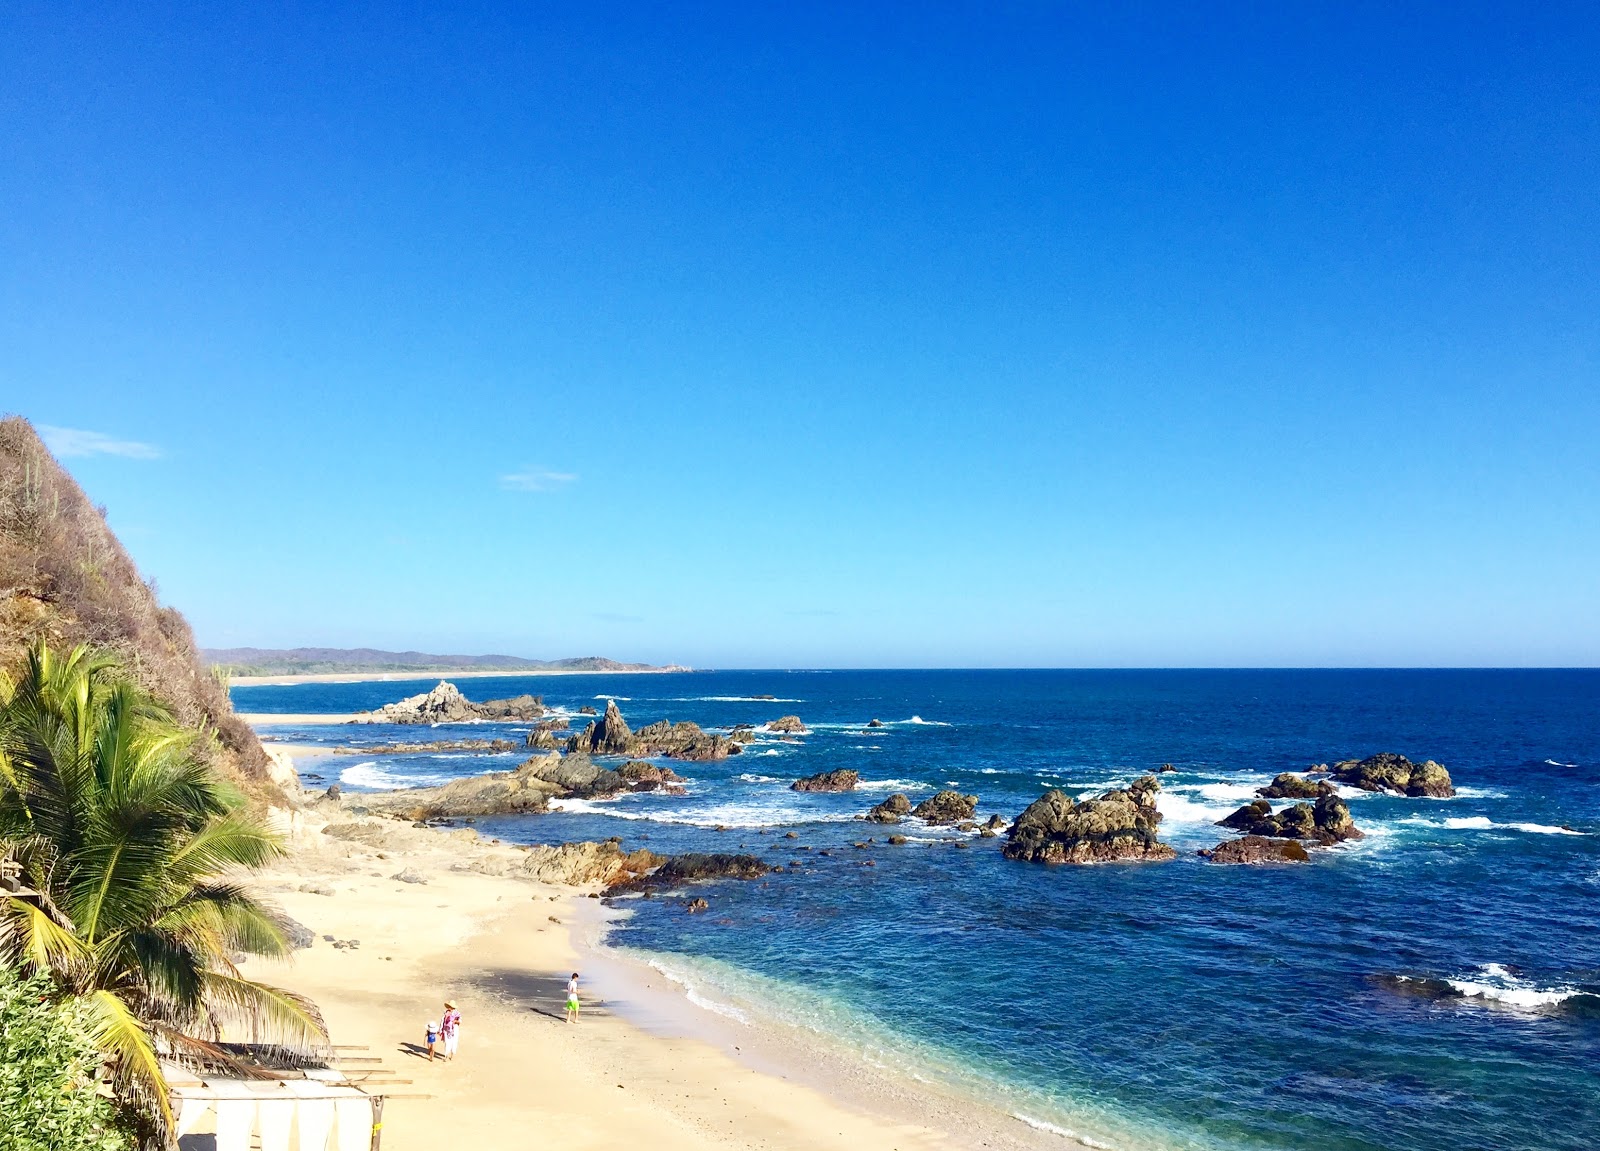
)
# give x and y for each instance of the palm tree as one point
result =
(138, 853)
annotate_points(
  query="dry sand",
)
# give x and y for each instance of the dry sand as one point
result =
(523, 1077)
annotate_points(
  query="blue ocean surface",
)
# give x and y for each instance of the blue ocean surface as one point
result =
(1434, 986)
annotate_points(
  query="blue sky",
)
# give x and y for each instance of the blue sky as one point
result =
(986, 335)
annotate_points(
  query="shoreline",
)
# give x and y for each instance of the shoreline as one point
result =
(289, 679)
(509, 969)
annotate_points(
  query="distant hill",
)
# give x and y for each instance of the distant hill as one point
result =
(65, 577)
(335, 660)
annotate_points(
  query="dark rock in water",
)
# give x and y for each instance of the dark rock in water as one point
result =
(517, 708)
(994, 823)
(1257, 849)
(587, 709)
(695, 866)
(697, 905)
(1327, 823)
(1120, 824)
(609, 736)
(874, 723)
(1166, 767)
(891, 810)
(788, 725)
(946, 807)
(1393, 773)
(842, 780)
(642, 775)
(897, 840)
(1287, 785)
(742, 733)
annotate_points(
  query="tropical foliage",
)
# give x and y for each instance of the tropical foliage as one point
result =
(49, 1097)
(138, 852)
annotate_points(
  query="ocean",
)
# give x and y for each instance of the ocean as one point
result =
(1434, 986)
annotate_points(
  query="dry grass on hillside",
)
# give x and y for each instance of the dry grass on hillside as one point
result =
(65, 577)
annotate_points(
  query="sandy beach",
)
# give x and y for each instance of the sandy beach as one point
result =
(502, 948)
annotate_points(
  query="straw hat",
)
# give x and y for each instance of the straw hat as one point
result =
(450, 1003)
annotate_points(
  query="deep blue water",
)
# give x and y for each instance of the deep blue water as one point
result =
(1185, 1003)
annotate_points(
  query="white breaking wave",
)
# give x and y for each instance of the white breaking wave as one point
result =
(1064, 1132)
(693, 994)
(1498, 985)
(370, 775)
(1222, 792)
(732, 815)
(770, 751)
(892, 785)
(1484, 823)
(749, 777)
(725, 699)
(623, 698)
(1553, 763)
(918, 721)
(1179, 809)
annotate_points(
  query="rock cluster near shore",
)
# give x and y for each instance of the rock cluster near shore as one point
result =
(696, 866)
(843, 780)
(1287, 785)
(493, 746)
(891, 810)
(946, 807)
(1120, 824)
(788, 725)
(1257, 849)
(446, 704)
(1326, 823)
(526, 790)
(1395, 774)
(610, 735)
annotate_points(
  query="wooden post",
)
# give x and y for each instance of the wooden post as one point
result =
(377, 1122)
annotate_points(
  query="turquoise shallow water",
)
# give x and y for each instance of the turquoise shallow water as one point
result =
(1435, 986)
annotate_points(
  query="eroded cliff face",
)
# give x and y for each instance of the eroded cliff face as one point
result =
(65, 578)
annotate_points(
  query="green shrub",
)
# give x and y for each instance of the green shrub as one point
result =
(48, 1097)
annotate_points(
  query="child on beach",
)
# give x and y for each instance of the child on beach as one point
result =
(572, 998)
(450, 1029)
(432, 1037)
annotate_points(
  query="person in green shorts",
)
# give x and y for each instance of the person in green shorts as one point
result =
(572, 998)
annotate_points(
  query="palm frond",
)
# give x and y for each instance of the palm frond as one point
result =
(135, 1066)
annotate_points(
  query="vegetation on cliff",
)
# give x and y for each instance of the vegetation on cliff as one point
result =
(66, 580)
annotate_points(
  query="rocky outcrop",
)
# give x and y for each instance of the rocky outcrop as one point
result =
(527, 789)
(543, 739)
(694, 867)
(874, 723)
(1257, 849)
(946, 807)
(611, 736)
(446, 704)
(642, 775)
(1396, 774)
(578, 864)
(788, 725)
(497, 793)
(491, 746)
(587, 709)
(1120, 824)
(1287, 785)
(1327, 823)
(891, 810)
(842, 780)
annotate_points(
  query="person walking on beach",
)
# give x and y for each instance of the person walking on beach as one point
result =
(572, 998)
(450, 1028)
(432, 1036)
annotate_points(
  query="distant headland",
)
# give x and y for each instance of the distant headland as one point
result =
(246, 664)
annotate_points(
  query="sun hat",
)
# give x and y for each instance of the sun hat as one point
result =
(449, 1002)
